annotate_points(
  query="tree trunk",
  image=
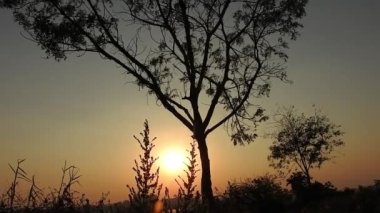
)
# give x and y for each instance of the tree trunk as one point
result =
(206, 185)
(308, 177)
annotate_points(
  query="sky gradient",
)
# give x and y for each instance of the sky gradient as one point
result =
(83, 111)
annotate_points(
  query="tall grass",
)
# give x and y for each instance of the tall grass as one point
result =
(18, 174)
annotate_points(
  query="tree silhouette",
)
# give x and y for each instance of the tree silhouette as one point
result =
(222, 53)
(304, 142)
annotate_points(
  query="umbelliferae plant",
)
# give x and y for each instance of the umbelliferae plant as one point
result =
(148, 190)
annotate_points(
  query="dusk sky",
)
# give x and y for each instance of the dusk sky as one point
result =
(83, 110)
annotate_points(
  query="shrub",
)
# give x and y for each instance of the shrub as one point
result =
(262, 194)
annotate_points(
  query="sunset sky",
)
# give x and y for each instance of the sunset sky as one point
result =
(83, 110)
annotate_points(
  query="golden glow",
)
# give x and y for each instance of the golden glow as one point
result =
(173, 161)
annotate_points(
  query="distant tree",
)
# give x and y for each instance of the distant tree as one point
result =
(192, 55)
(147, 189)
(303, 142)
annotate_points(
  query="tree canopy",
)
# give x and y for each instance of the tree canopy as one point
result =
(178, 50)
(302, 141)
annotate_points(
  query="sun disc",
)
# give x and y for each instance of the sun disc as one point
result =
(173, 161)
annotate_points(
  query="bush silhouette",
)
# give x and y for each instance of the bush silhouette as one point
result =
(262, 194)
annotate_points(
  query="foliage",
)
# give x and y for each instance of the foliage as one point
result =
(309, 194)
(192, 41)
(262, 194)
(222, 52)
(367, 199)
(363, 199)
(304, 142)
(148, 190)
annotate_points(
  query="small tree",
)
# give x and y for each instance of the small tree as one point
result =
(148, 189)
(303, 142)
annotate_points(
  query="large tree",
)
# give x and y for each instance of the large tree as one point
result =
(303, 142)
(221, 52)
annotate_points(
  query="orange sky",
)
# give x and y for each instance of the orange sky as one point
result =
(81, 110)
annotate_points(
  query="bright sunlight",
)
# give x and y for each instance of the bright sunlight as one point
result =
(173, 161)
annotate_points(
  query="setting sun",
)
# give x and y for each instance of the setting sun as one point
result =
(173, 161)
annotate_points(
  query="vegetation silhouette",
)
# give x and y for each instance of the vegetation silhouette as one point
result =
(263, 194)
(188, 199)
(19, 174)
(303, 142)
(62, 199)
(64, 196)
(148, 189)
(222, 52)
